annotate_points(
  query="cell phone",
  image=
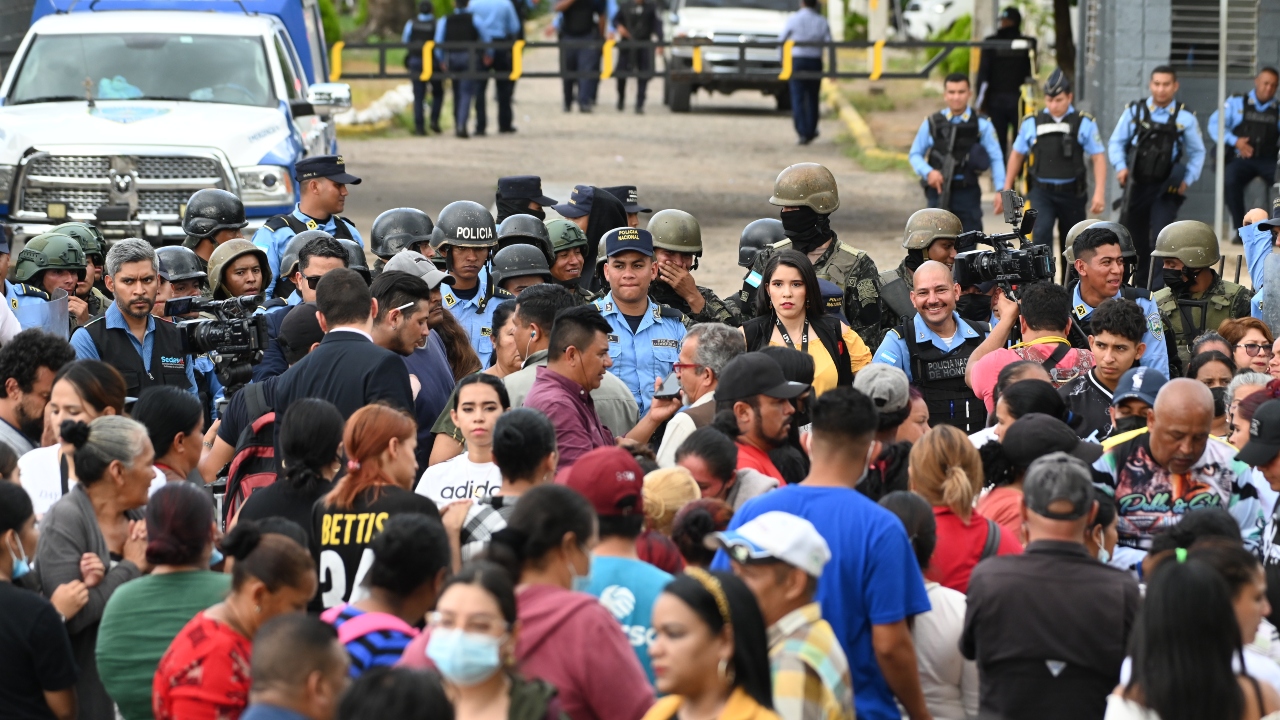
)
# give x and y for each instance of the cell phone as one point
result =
(670, 388)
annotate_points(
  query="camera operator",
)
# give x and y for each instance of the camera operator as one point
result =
(935, 349)
(182, 275)
(1044, 317)
(128, 336)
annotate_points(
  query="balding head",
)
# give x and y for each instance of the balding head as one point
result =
(1179, 424)
(934, 295)
(932, 271)
(1256, 215)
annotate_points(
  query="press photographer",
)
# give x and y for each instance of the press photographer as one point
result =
(232, 337)
(1009, 269)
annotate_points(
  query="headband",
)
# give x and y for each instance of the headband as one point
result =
(712, 585)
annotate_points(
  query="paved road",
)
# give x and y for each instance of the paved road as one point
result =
(717, 162)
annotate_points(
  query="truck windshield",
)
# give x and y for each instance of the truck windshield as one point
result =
(151, 66)
(775, 5)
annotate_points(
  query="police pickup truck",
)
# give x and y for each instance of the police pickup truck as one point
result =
(726, 66)
(115, 111)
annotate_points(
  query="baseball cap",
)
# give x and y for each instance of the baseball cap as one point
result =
(1143, 383)
(1274, 222)
(1264, 435)
(886, 385)
(628, 239)
(775, 535)
(832, 298)
(523, 187)
(415, 263)
(1058, 478)
(629, 196)
(1011, 13)
(6, 238)
(299, 330)
(579, 202)
(754, 373)
(1035, 434)
(330, 166)
(610, 479)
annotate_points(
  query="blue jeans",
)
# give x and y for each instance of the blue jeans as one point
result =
(804, 97)
(580, 59)
(1053, 204)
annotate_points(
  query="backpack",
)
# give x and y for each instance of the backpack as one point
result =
(253, 466)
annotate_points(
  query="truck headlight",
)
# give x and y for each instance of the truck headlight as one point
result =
(6, 181)
(265, 185)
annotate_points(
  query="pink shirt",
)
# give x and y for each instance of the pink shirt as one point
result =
(984, 373)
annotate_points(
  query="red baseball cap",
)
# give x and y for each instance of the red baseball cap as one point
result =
(610, 479)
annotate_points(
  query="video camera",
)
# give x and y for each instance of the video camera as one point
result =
(1008, 268)
(235, 339)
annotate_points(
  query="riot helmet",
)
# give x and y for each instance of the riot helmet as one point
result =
(463, 223)
(356, 259)
(178, 263)
(520, 260)
(289, 258)
(756, 236)
(210, 211)
(525, 230)
(1070, 253)
(806, 185)
(48, 251)
(399, 229)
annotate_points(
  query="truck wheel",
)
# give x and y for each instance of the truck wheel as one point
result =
(681, 96)
(783, 99)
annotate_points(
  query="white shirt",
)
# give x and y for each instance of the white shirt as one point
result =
(41, 476)
(1259, 666)
(678, 430)
(459, 479)
(948, 681)
(983, 436)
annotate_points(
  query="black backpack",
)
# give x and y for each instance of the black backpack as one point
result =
(1151, 158)
(253, 466)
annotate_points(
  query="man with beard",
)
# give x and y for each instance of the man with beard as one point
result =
(595, 212)
(28, 364)
(145, 349)
(521, 195)
(677, 245)
(50, 262)
(569, 243)
(404, 304)
(753, 406)
(930, 235)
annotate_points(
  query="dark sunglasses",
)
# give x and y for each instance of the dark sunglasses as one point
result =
(312, 280)
(1253, 349)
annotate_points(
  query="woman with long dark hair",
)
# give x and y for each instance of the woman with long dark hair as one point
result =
(1029, 396)
(1215, 370)
(477, 403)
(790, 313)
(709, 650)
(175, 422)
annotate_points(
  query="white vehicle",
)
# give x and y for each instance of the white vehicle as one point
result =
(116, 116)
(726, 68)
(925, 18)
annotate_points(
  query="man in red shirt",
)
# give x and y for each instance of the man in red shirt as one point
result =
(753, 388)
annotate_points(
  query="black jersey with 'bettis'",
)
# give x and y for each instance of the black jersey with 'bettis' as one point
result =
(1088, 398)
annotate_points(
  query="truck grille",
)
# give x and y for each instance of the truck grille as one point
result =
(161, 202)
(70, 166)
(78, 200)
(177, 168)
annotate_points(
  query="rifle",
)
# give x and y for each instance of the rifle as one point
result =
(948, 171)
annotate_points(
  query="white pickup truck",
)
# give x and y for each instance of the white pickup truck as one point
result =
(115, 116)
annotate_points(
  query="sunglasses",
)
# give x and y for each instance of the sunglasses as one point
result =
(1254, 349)
(312, 280)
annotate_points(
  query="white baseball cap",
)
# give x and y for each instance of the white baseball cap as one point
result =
(779, 536)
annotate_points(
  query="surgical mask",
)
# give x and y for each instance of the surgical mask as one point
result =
(1104, 557)
(806, 228)
(580, 582)
(1176, 280)
(20, 565)
(1130, 423)
(1219, 401)
(216, 557)
(866, 468)
(975, 307)
(464, 658)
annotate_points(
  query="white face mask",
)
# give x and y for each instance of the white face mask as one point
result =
(1104, 557)
(866, 466)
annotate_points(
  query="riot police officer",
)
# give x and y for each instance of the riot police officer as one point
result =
(465, 236)
(757, 235)
(356, 259)
(323, 180)
(1195, 298)
(1060, 137)
(50, 262)
(213, 217)
(930, 235)
(517, 267)
(569, 243)
(181, 273)
(1157, 152)
(395, 230)
(677, 245)
(808, 195)
(1128, 253)
(1252, 135)
(630, 199)
(521, 195)
(90, 240)
(525, 230)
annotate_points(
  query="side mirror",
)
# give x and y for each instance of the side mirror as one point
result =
(328, 98)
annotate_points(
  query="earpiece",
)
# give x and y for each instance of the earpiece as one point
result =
(533, 334)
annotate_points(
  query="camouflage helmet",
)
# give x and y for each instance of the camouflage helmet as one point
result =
(224, 255)
(289, 258)
(525, 230)
(398, 229)
(925, 226)
(806, 184)
(565, 235)
(49, 251)
(89, 237)
(677, 231)
(1191, 241)
(520, 260)
(756, 236)
(1070, 253)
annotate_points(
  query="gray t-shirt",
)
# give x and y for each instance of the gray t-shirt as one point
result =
(11, 436)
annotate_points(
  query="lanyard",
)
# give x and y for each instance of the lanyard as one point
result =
(804, 337)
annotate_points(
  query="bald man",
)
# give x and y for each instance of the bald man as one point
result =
(1175, 466)
(934, 349)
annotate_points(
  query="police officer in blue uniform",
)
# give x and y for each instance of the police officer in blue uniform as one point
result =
(1252, 136)
(1061, 137)
(1158, 153)
(646, 337)
(323, 181)
(466, 237)
(460, 27)
(49, 262)
(498, 22)
(958, 142)
(418, 31)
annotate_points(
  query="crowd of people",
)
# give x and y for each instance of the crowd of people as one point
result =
(532, 469)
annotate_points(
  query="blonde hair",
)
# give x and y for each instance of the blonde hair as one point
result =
(946, 470)
(665, 492)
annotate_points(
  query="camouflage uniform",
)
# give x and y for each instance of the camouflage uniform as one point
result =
(679, 232)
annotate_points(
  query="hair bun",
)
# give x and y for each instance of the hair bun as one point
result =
(512, 539)
(74, 432)
(242, 540)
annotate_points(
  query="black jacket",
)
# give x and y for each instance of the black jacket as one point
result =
(348, 370)
(826, 328)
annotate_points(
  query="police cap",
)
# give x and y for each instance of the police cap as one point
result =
(579, 204)
(397, 229)
(330, 166)
(211, 211)
(523, 187)
(630, 198)
(1057, 83)
(628, 239)
(756, 236)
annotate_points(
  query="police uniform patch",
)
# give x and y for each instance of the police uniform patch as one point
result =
(311, 224)
(486, 332)
(450, 300)
(1154, 326)
(14, 303)
(1081, 310)
(665, 343)
(754, 279)
(614, 338)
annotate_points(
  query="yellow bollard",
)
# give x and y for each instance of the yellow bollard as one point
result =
(517, 60)
(606, 59)
(877, 60)
(787, 47)
(335, 63)
(697, 58)
(428, 49)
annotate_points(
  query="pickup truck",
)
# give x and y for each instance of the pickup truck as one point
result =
(115, 111)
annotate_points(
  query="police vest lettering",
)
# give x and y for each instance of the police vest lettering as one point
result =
(1058, 154)
(470, 233)
(947, 368)
(1259, 126)
(168, 359)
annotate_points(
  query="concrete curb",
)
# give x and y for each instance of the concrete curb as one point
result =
(857, 126)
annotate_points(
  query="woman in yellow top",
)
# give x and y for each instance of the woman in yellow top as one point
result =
(790, 313)
(710, 653)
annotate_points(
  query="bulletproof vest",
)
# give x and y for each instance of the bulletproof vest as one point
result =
(637, 19)
(341, 228)
(1081, 328)
(1260, 127)
(1057, 153)
(940, 377)
(420, 33)
(1009, 68)
(966, 136)
(1187, 318)
(460, 28)
(1151, 149)
(579, 19)
(168, 358)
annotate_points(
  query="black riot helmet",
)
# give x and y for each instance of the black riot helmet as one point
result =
(356, 260)
(399, 229)
(178, 263)
(756, 236)
(289, 258)
(525, 230)
(211, 210)
(1128, 252)
(463, 223)
(520, 260)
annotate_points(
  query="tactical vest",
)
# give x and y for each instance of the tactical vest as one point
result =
(420, 33)
(168, 357)
(1081, 328)
(1186, 319)
(1057, 153)
(1259, 126)
(1152, 147)
(461, 28)
(579, 19)
(940, 377)
(966, 137)
(341, 228)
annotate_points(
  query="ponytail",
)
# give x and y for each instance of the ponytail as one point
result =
(946, 470)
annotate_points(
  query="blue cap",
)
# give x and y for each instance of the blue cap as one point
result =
(330, 166)
(628, 239)
(6, 233)
(832, 297)
(523, 187)
(1143, 383)
(579, 203)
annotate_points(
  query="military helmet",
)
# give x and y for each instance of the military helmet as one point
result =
(49, 251)
(356, 259)
(677, 231)
(225, 254)
(398, 229)
(756, 236)
(289, 258)
(1070, 253)
(1191, 241)
(565, 235)
(211, 210)
(89, 237)
(519, 260)
(601, 255)
(925, 226)
(526, 230)
(464, 223)
(807, 184)
(178, 263)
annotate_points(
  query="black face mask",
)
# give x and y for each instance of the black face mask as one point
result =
(517, 206)
(1130, 423)
(975, 307)
(1176, 280)
(1219, 401)
(806, 228)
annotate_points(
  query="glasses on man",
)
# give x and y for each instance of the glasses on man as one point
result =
(686, 366)
(1254, 349)
(312, 280)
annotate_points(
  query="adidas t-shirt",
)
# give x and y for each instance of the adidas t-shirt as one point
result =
(628, 588)
(459, 479)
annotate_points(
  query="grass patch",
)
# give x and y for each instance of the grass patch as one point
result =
(870, 162)
(871, 102)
